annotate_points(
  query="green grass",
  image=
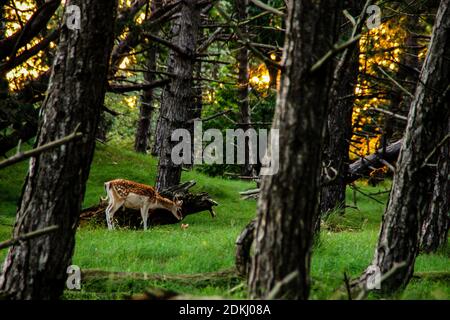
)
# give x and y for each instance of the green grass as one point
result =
(347, 242)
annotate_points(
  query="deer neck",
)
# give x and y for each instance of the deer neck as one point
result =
(164, 203)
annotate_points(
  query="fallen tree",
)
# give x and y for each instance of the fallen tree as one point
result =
(382, 157)
(192, 203)
(359, 169)
(228, 275)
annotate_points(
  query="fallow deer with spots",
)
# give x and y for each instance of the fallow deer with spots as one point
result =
(137, 196)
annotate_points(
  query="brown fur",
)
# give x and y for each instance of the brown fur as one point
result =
(120, 191)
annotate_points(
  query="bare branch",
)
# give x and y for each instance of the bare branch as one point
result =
(137, 87)
(28, 236)
(210, 40)
(20, 156)
(395, 82)
(167, 43)
(210, 117)
(336, 49)
(396, 116)
(267, 7)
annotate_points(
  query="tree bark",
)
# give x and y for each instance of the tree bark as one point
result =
(243, 247)
(143, 130)
(339, 133)
(55, 185)
(427, 126)
(437, 220)
(290, 199)
(177, 97)
(242, 94)
(142, 137)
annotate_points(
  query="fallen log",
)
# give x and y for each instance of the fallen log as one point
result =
(359, 169)
(227, 275)
(129, 218)
(362, 167)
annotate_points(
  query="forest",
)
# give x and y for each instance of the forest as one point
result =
(224, 149)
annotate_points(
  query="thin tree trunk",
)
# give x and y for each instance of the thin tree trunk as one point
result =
(242, 95)
(177, 97)
(337, 142)
(55, 185)
(143, 130)
(196, 108)
(289, 201)
(427, 126)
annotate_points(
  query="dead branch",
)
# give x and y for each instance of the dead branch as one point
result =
(27, 236)
(210, 40)
(267, 7)
(395, 82)
(168, 44)
(425, 162)
(210, 117)
(89, 274)
(336, 49)
(137, 87)
(392, 114)
(20, 156)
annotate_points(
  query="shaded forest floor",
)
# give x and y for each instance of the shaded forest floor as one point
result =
(347, 242)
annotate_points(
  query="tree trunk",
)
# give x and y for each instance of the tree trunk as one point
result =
(242, 94)
(290, 199)
(437, 220)
(55, 185)
(243, 247)
(177, 97)
(143, 130)
(142, 137)
(195, 111)
(102, 128)
(339, 133)
(427, 126)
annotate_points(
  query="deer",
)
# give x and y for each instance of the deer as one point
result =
(133, 195)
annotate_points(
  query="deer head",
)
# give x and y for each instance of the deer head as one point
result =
(177, 209)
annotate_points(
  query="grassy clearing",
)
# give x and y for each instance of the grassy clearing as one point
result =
(208, 244)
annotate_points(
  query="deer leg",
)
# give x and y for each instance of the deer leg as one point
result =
(108, 219)
(110, 213)
(144, 215)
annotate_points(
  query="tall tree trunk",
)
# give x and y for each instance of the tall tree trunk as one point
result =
(339, 127)
(289, 200)
(242, 95)
(437, 220)
(427, 126)
(196, 109)
(55, 185)
(177, 97)
(143, 130)
(142, 136)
